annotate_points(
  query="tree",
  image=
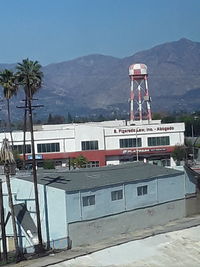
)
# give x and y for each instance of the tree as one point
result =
(179, 153)
(100, 118)
(30, 77)
(50, 119)
(79, 162)
(9, 83)
(48, 164)
(156, 116)
(18, 160)
(69, 118)
(169, 119)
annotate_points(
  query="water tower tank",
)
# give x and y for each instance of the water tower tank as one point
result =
(137, 69)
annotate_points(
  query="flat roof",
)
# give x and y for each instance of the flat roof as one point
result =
(91, 178)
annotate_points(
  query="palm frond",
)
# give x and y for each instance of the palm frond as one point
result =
(6, 155)
(30, 76)
(8, 81)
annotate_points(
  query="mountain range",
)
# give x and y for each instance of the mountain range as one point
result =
(98, 83)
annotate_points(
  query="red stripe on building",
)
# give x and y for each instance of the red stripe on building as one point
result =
(101, 155)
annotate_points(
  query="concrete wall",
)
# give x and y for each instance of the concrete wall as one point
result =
(192, 204)
(190, 183)
(90, 232)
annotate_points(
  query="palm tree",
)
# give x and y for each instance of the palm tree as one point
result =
(9, 84)
(30, 77)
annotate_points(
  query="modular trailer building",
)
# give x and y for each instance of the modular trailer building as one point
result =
(85, 206)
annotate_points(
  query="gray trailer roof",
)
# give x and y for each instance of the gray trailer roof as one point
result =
(91, 178)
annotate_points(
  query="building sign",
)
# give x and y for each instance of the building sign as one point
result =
(130, 151)
(144, 130)
(36, 156)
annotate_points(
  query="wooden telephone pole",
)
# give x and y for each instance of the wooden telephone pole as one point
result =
(29, 107)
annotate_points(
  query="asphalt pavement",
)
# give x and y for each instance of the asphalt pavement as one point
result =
(53, 258)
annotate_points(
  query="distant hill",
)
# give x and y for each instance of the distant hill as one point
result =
(96, 83)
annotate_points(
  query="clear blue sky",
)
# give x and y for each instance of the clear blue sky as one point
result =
(58, 30)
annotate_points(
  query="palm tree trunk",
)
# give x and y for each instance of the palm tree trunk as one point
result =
(17, 250)
(2, 222)
(9, 122)
(24, 133)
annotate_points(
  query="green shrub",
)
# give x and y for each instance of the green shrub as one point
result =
(79, 162)
(48, 164)
(179, 153)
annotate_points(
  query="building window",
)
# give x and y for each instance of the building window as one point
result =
(51, 147)
(130, 142)
(88, 201)
(165, 162)
(89, 145)
(116, 195)
(158, 141)
(92, 164)
(19, 148)
(142, 190)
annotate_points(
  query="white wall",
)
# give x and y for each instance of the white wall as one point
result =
(70, 136)
(88, 133)
(113, 135)
(56, 207)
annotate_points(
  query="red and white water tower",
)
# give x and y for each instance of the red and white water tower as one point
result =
(140, 108)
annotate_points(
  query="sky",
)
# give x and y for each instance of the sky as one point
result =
(53, 31)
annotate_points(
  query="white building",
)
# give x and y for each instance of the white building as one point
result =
(104, 143)
(110, 142)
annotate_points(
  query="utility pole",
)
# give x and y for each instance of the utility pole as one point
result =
(39, 247)
(192, 126)
(24, 132)
(40, 243)
(29, 106)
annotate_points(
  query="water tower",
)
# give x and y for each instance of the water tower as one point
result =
(140, 108)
